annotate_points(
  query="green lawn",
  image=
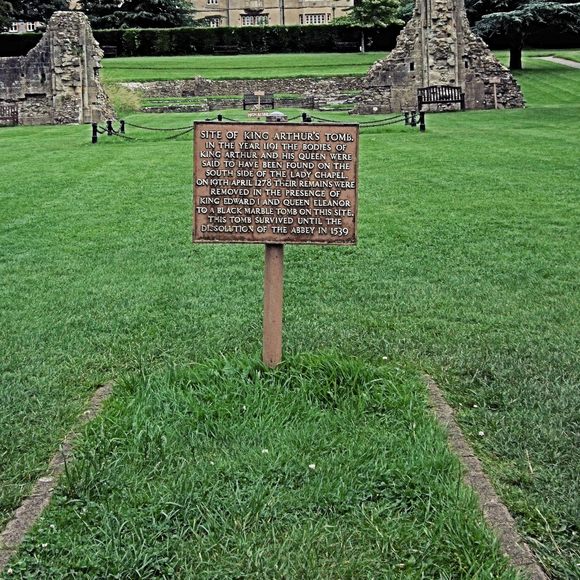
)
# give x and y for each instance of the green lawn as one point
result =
(324, 468)
(467, 267)
(237, 67)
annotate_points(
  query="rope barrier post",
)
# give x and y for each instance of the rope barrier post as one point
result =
(122, 128)
(95, 134)
(109, 127)
(304, 117)
(406, 113)
(220, 117)
(422, 121)
(413, 118)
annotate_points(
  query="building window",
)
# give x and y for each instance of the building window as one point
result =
(213, 1)
(314, 19)
(14, 27)
(30, 27)
(251, 20)
(213, 21)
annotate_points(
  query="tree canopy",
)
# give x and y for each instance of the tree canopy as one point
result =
(370, 14)
(138, 13)
(516, 19)
(5, 14)
(35, 11)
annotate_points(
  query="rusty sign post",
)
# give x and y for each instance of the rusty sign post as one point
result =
(275, 184)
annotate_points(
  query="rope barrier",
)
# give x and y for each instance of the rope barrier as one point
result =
(156, 128)
(373, 121)
(179, 134)
(180, 131)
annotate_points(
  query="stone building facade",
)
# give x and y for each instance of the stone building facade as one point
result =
(57, 82)
(437, 47)
(269, 12)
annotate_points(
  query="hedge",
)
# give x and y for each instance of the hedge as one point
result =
(254, 40)
(249, 40)
(18, 44)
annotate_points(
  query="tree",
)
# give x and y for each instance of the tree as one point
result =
(35, 11)
(515, 19)
(138, 13)
(5, 14)
(371, 14)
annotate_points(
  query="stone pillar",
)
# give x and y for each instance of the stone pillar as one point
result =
(437, 47)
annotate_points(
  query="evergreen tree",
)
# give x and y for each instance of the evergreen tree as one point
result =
(35, 10)
(515, 19)
(138, 13)
(5, 14)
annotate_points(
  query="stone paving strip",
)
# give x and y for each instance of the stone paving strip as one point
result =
(562, 61)
(494, 511)
(496, 514)
(32, 507)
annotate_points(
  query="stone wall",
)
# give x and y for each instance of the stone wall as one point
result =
(317, 90)
(57, 82)
(437, 47)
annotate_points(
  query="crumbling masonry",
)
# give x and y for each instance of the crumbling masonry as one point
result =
(57, 82)
(437, 47)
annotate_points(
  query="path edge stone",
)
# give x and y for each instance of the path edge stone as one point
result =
(31, 508)
(495, 513)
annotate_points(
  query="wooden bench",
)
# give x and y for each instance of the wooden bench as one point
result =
(440, 95)
(224, 49)
(264, 100)
(109, 50)
(8, 114)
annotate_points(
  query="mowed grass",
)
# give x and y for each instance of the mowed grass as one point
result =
(324, 468)
(467, 266)
(146, 68)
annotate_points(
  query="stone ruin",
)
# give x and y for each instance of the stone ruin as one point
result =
(57, 82)
(437, 47)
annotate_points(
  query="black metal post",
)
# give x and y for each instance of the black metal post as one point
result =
(413, 118)
(406, 113)
(109, 127)
(95, 134)
(122, 128)
(304, 117)
(422, 121)
(220, 117)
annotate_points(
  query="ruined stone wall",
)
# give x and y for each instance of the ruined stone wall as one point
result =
(437, 47)
(57, 82)
(310, 92)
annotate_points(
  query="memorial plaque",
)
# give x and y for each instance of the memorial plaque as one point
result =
(284, 183)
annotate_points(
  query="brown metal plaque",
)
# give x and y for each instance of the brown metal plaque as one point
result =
(276, 183)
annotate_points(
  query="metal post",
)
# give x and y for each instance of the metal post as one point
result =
(422, 121)
(406, 113)
(95, 134)
(220, 117)
(109, 127)
(273, 304)
(122, 128)
(413, 118)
